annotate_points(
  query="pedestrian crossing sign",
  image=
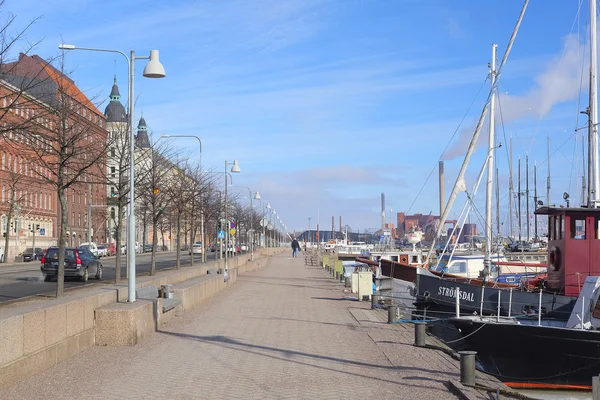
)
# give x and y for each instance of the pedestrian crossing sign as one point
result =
(221, 235)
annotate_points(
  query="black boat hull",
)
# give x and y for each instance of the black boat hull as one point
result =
(530, 354)
(438, 295)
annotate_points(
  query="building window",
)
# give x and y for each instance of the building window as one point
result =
(577, 228)
(112, 152)
(3, 193)
(112, 172)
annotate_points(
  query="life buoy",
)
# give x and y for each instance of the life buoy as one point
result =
(554, 258)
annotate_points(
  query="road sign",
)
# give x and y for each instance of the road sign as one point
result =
(221, 235)
(232, 231)
(232, 225)
(42, 231)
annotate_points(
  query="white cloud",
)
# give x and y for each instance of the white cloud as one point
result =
(559, 82)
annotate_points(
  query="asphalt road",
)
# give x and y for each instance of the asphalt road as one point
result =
(25, 279)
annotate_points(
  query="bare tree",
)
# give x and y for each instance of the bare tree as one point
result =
(154, 192)
(179, 197)
(70, 144)
(15, 198)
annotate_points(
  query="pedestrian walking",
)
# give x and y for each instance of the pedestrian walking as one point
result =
(295, 247)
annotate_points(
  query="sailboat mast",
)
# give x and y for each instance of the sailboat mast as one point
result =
(490, 167)
(593, 173)
(583, 188)
(498, 204)
(535, 199)
(548, 178)
(527, 193)
(510, 191)
(519, 197)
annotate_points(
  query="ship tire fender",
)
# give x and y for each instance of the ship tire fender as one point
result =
(554, 258)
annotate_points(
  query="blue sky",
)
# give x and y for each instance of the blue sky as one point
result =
(326, 104)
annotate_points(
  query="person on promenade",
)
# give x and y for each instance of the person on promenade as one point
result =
(295, 247)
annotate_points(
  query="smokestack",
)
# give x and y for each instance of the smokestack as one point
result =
(341, 230)
(333, 227)
(441, 188)
(382, 212)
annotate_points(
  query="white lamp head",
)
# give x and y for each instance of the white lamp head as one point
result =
(268, 206)
(257, 196)
(154, 69)
(63, 46)
(236, 167)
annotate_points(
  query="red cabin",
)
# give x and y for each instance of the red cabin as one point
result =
(573, 247)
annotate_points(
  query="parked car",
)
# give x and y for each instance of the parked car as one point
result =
(103, 251)
(244, 247)
(196, 249)
(213, 248)
(79, 263)
(148, 248)
(124, 248)
(1, 254)
(231, 249)
(31, 254)
(92, 247)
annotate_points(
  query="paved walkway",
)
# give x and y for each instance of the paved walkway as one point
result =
(283, 332)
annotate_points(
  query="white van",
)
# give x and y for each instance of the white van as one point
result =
(92, 247)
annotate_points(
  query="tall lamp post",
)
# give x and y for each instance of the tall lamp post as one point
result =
(235, 168)
(202, 210)
(257, 197)
(268, 207)
(154, 69)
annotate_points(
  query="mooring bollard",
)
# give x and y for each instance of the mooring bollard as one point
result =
(420, 333)
(337, 275)
(374, 300)
(348, 282)
(467, 367)
(392, 314)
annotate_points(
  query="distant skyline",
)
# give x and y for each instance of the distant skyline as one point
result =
(328, 103)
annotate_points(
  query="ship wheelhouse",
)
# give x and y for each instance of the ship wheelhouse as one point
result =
(573, 247)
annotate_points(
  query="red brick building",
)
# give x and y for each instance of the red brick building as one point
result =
(30, 94)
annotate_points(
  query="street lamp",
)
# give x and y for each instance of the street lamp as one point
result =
(187, 136)
(257, 197)
(154, 69)
(235, 168)
(268, 207)
(202, 210)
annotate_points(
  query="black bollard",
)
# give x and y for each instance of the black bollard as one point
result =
(348, 282)
(392, 314)
(467, 367)
(420, 333)
(342, 277)
(337, 275)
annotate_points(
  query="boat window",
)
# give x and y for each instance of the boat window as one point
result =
(597, 225)
(596, 313)
(552, 227)
(578, 228)
(510, 279)
(458, 268)
(394, 258)
(561, 233)
(415, 259)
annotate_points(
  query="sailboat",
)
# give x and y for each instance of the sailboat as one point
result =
(554, 353)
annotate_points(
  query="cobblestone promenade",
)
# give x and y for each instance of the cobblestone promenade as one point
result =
(283, 332)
